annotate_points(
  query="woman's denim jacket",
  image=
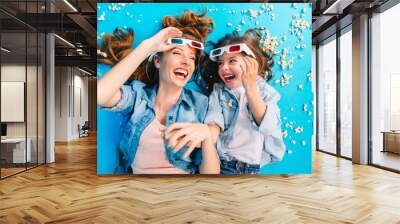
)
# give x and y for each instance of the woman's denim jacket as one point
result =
(137, 102)
(223, 110)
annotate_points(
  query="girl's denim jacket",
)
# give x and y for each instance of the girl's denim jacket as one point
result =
(223, 110)
(137, 102)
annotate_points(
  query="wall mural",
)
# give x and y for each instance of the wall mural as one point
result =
(247, 143)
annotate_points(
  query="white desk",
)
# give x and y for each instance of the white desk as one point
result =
(18, 149)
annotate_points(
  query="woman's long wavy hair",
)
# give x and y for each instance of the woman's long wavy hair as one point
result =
(252, 39)
(119, 44)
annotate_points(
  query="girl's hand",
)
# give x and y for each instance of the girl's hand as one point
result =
(190, 134)
(249, 72)
(158, 42)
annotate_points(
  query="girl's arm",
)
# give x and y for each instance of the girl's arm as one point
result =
(265, 114)
(257, 106)
(210, 163)
(249, 79)
(215, 130)
(214, 117)
(108, 87)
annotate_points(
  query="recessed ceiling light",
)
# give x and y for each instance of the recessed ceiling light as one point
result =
(70, 5)
(64, 40)
(5, 50)
(86, 72)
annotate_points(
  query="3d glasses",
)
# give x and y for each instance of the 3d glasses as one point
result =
(233, 48)
(183, 41)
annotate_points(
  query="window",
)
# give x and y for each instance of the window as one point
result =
(346, 74)
(327, 96)
(385, 88)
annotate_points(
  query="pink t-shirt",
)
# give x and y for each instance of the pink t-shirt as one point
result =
(150, 156)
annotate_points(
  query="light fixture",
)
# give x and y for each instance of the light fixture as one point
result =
(337, 7)
(86, 72)
(5, 50)
(64, 40)
(70, 5)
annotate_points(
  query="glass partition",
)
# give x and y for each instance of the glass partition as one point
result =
(385, 89)
(22, 88)
(327, 96)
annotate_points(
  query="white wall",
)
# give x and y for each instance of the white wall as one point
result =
(70, 83)
(61, 103)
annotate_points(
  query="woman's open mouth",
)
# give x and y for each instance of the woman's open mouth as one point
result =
(181, 73)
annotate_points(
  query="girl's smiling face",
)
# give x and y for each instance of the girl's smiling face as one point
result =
(229, 69)
(177, 65)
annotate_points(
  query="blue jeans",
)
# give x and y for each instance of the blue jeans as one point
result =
(237, 167)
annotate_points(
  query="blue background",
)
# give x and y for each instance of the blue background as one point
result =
(277, 18)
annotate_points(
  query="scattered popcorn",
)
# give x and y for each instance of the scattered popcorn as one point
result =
(305, 107)
(298, 130)
(300, 87)
(254, 13)
(114, 7)
(268, 43)
(102, 17)
(284, 134)
(285, 79)
(309, 77)
(238, 28)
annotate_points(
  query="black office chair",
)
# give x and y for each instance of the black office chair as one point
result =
(84, 130)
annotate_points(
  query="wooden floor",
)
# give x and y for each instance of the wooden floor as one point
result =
(69, 191)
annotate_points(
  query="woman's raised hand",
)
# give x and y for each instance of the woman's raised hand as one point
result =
(158, 42)
(189, 134)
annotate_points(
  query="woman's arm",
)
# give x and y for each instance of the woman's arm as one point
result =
(108, 87)
(192, 135)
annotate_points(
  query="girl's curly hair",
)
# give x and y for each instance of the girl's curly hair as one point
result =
(252, 39)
